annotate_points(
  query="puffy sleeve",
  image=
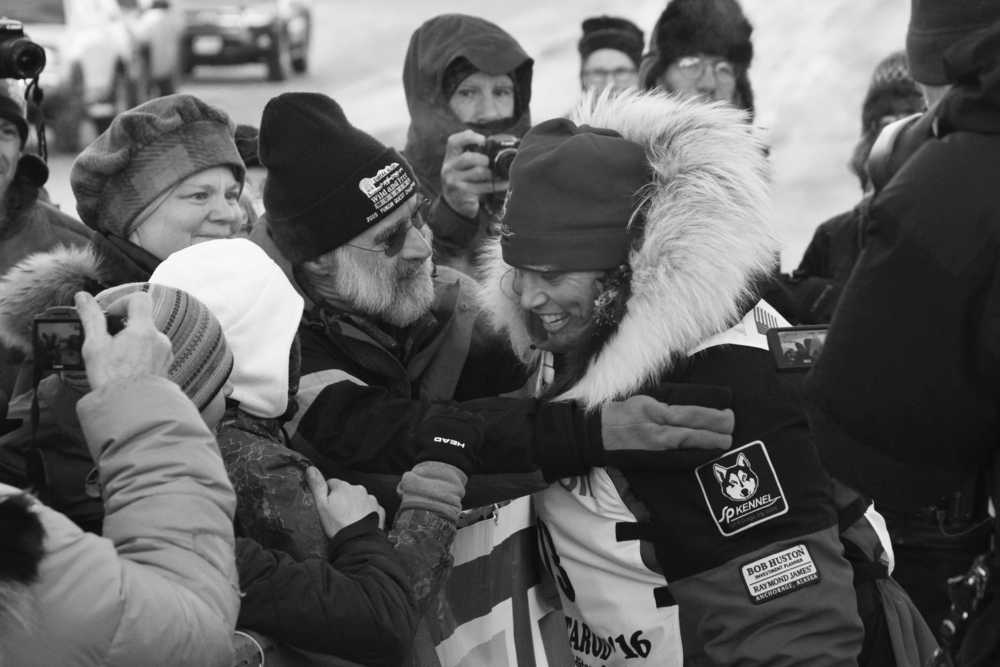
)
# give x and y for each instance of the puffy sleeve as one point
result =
(169, 513)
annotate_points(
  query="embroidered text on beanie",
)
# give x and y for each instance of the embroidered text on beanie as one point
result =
(327, 181)
(573, 192)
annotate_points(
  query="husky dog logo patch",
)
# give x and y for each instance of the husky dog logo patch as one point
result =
(741, 489)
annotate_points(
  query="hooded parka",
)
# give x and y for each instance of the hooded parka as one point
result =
(433, 47)
(703, 559)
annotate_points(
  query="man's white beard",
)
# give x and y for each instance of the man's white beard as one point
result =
(392, 290)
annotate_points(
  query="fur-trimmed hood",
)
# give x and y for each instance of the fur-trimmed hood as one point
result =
(43, 280)
(52, 277)
(706, 241)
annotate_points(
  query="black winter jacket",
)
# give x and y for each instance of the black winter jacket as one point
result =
(906, 396)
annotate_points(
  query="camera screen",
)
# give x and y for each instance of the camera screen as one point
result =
(58, 343)
(796, 347)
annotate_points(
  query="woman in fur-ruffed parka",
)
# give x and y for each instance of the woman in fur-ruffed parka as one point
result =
(632, 239)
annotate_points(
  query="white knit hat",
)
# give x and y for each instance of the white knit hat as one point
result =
(258, 308)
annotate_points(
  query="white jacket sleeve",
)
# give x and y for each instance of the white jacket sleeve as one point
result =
(169, 512)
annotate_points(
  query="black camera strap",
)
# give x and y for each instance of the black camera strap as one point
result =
(34, 95)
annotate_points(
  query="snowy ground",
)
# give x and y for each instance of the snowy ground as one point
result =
(810, 72)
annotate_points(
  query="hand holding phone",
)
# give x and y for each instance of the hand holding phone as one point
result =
(140, 349)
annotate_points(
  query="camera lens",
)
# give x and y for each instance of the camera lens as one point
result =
(21, 59)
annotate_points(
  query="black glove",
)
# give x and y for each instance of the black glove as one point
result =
(452, 436)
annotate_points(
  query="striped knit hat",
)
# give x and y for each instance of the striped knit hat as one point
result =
(202, 361)
(145, 151)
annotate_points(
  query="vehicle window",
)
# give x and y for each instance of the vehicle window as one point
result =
(35, 11)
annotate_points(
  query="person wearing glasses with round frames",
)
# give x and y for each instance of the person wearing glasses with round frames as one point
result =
(610, 51)
(701, 48)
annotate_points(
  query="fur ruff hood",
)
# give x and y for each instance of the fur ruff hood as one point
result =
(43, 280)
(706, 241)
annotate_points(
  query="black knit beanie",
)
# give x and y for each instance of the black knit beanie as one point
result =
(327, 181)
(611, 32)
(574, 190)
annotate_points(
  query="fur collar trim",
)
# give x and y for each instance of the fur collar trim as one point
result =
(43, 280)
(706, 241)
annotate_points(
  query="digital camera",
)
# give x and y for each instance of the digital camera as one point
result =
(501, 149)
(58, 339)
(20, 58)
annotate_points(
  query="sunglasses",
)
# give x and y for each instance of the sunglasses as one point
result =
(391, 241)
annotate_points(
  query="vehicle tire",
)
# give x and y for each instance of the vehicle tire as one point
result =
(120, 99)
(71, 128)
(279, 61)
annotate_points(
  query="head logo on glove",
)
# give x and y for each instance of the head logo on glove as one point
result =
(449, 441)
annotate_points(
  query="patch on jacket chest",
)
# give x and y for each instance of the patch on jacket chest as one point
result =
(741, 489)
(779, 573)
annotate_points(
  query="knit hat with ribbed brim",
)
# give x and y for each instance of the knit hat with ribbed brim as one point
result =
(145, 151)
(611, 32)
(202, 361)
(937, 24)
(327, 181)
(573, 192)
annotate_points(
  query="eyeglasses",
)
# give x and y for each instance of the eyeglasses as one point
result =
(692, 68)
(619, 75)
(392, 241)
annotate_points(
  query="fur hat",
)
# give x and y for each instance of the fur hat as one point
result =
(611, 32)
(690, 27)
(937, 24)
(327, 181)
(704, 242)
(145, 151)
(892, 92)
(258, 309)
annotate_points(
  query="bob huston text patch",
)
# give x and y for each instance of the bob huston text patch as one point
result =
(741, 489)
(779, 573)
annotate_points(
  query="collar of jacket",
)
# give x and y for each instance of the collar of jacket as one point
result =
(266, 427)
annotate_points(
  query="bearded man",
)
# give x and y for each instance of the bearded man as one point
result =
(386, 340)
